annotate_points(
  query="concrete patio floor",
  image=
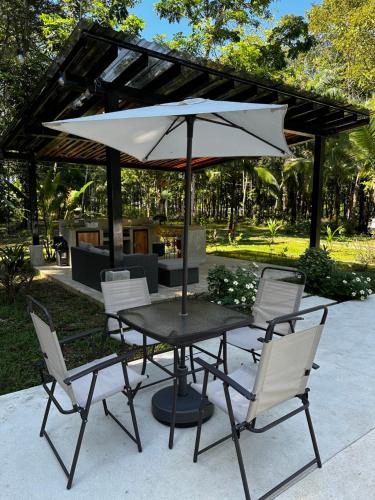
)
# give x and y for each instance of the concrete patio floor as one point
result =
(63, 275)
(342, 406)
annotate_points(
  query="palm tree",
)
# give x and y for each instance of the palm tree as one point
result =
(363, 152)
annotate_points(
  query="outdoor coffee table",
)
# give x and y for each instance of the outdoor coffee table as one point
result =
(178, 404)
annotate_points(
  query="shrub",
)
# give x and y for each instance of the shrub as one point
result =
(324, 278)
(237, 288)
(317, 264)
(16, 272)
(343, 285)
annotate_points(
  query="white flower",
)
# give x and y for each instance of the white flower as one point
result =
(219, 302)
(328, 277)
(358, 279)
(354, 294)
(230, 289)
(244, 269)
(362, 292)
(248, 286)
(236, 301)
(369, 291)
(362, 298)
(368, 279)
(226, 280)
(235, 283)
(345, 282)
(243, 299)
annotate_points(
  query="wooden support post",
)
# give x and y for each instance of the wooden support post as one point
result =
(317, 195)
(114, 201)
(33, 202)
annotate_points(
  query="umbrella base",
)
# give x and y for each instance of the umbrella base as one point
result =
(187, 407)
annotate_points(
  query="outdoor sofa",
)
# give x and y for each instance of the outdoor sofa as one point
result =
(89, 261)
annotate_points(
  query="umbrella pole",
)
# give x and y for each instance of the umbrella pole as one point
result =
(187, 215)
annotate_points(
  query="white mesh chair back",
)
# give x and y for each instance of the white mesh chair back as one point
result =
(124, 274)
(124, 294)
(276, 298)
(284, 369)
(51, 350)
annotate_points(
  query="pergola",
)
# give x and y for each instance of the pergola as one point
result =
(102, 70)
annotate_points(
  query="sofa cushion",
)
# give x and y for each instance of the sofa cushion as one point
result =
(175, 264)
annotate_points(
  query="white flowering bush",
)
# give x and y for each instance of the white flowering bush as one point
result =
(235, 288)
(347, 286)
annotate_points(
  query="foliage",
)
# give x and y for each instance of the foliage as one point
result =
(344, 30)
(342, 285)
(269, 53)
(227, 287)
(114, 14)
(327, 280)
(331, 234)
(317, 264)
(213, 24)
(364, 249)
(16, 272)
(273, 228)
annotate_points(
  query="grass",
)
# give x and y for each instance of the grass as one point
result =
(256, 246)
(19, 346)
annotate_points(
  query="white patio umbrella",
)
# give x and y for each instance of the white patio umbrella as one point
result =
(165, 131)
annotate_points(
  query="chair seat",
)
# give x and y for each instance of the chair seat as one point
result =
(246, 338)
(244, 376)
(132, 337)
(110, 381)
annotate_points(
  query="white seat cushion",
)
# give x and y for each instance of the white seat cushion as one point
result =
(132, 337)
(245, 376)
(246, 338)
(110, 381)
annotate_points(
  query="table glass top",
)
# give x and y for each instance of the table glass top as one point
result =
(163, 321)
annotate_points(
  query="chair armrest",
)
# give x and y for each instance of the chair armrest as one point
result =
(227, 380)
(117, 318)
(81, 335)
(99, 366)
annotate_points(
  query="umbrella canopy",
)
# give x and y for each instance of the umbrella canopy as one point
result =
(165, 131)
(221, 129)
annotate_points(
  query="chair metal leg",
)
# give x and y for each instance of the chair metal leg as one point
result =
(143, 371)
(76, 454)
(313, 438)
(84, 415)
(105, 407)
(200, 417)
(225, 354)
(192, 364)
(236, 442)
(134, 420)
(46, 413)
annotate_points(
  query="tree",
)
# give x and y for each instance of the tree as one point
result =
(214, 23)
(114, 14)
(344, 30)
(269, 53)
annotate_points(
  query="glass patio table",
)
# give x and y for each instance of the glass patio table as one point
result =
(178, 404)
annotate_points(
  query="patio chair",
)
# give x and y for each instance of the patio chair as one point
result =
(84, 385)
(275, 297)
(121, 292)
(282, 374)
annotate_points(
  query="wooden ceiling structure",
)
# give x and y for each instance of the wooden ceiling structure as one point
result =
(99, 62)
(101, 70)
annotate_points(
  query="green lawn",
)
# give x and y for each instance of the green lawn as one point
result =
(19, 346)
(255, 245)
